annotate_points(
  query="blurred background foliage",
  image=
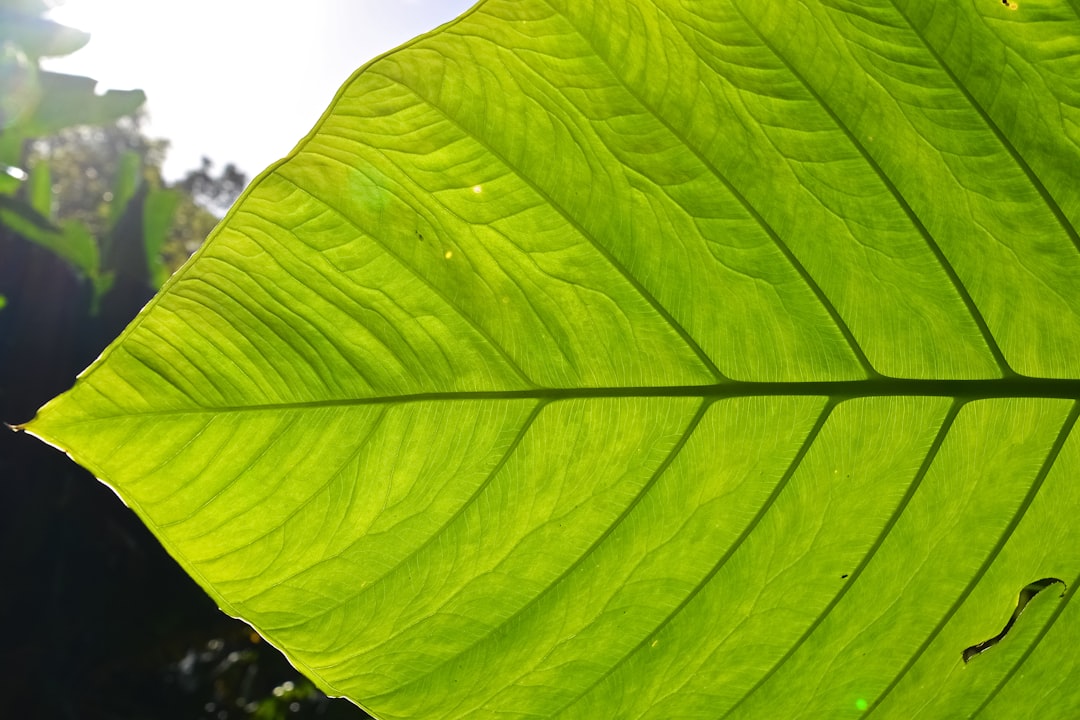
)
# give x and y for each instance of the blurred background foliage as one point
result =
(99, 621)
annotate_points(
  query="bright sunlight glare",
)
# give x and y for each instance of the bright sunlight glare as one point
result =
(239, 81)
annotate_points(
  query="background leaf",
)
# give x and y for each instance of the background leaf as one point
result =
(71, 241)
(68, 100)
(640, 359)
(159, 211)
(38, 36)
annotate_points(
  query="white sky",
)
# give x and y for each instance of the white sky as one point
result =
(239, 81)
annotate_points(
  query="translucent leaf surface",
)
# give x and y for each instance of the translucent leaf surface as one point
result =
(641, 359)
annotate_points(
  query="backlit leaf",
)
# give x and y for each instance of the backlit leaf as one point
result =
(641, 359)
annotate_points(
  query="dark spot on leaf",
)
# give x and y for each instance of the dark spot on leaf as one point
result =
(843, 576)
(1029, 591)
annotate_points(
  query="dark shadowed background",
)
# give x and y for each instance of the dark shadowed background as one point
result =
(99, 622)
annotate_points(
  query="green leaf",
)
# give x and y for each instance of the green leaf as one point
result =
(71, 240)
(122, 247)
(128, 178)
(641, 359)
(10, 179)
(39, 189)
(25, 216)
(159, 209)
(68, 100)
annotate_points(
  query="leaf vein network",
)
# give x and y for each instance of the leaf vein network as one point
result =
(608, 256)
(792, 260)
(901, 201)
(894, 518)
(511, 363)
(752, 525)
(434, 536)
(988, 561)
(1051, 203)
(608, 531)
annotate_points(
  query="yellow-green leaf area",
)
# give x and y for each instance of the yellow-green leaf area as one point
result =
(641, 359)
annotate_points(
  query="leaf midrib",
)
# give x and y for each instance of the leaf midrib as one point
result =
(838, 390)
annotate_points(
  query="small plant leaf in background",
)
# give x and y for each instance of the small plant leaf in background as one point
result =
(72, 100)
(38, 36)
(36, 103)
(159, 211)
(128, 178)
(641, 359)
(39, 189)
(70, 240)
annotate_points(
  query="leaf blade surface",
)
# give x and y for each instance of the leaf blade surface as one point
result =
(627, 359)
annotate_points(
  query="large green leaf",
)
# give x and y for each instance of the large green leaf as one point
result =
(642, 358)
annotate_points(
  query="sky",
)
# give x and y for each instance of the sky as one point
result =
(239, 81)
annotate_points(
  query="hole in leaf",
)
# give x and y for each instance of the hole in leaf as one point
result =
(1026, 595)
